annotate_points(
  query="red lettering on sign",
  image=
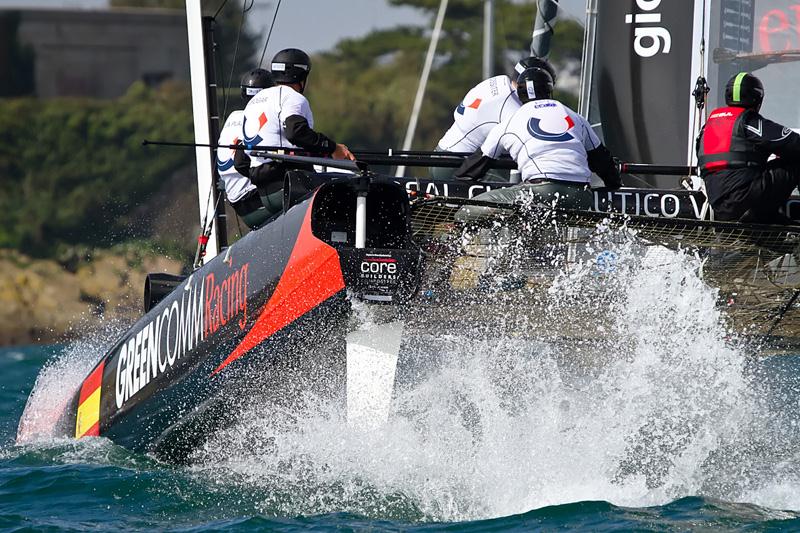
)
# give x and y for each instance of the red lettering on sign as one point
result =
(209, 290)
(241, 291)
(796, 9)
(227, 300)
(774, 24)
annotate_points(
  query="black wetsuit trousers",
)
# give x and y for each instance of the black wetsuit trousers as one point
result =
(251, 209)
(757, 201)
(269, 178)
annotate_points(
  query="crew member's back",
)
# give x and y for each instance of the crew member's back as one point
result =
(281, 117)
(548, 140)
(240, 191)
(483, 107)
(733, 151)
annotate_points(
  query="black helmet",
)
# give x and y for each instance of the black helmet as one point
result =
(744, 90)
(534, 84)
(254, 81)
(290, 66)
(533, 61)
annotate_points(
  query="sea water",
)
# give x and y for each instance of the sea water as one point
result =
(666, 422)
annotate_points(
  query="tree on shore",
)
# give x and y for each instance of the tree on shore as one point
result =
(362, 91)
(72, 171)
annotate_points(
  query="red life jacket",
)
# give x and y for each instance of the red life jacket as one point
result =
(724, 145)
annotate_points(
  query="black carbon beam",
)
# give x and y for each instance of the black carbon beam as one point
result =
(670, 170)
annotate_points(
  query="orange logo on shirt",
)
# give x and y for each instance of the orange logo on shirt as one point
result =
(262, 119)
(475, 104)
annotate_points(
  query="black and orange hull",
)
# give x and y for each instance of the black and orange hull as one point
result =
(280, 293)
(280, 299)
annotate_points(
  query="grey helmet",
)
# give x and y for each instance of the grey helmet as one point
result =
(534, 84)
(533, 61)
(254, 81)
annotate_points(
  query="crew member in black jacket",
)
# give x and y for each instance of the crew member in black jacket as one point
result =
(733, 150)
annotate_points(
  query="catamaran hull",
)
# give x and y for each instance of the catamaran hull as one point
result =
(274, 304)
(272, 315)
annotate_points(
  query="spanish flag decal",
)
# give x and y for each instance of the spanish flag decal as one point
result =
(87, 423)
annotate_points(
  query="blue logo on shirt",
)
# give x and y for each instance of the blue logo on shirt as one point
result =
(224, 165)
(250, 141)
(537, 132)
(460, 108)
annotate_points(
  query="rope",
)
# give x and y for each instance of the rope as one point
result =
(238, 226)
(700, 92)
(703, 57)
(220, 9)
(226, 90)
(202, 240)
(205, 230)
(272, 25)
(245, 9)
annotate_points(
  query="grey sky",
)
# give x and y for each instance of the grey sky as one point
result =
(313, 25)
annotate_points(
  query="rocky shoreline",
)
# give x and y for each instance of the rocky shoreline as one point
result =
(47, 301)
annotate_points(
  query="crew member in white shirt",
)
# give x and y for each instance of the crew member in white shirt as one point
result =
(548, 140)
(281, 117)
(482, 108)
(239, 190)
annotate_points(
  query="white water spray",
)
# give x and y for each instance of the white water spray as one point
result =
(665, 405)
(59, 379)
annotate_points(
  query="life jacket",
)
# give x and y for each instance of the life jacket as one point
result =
(724, 145)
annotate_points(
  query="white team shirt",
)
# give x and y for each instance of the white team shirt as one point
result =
(236, 185)
(264, 118)
(485, 105)
(547, 140)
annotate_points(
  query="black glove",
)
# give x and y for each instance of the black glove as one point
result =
(613, 181)
(474, 167)
(602, 163)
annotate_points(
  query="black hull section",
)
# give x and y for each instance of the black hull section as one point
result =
(276, 299)
(204, 405)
